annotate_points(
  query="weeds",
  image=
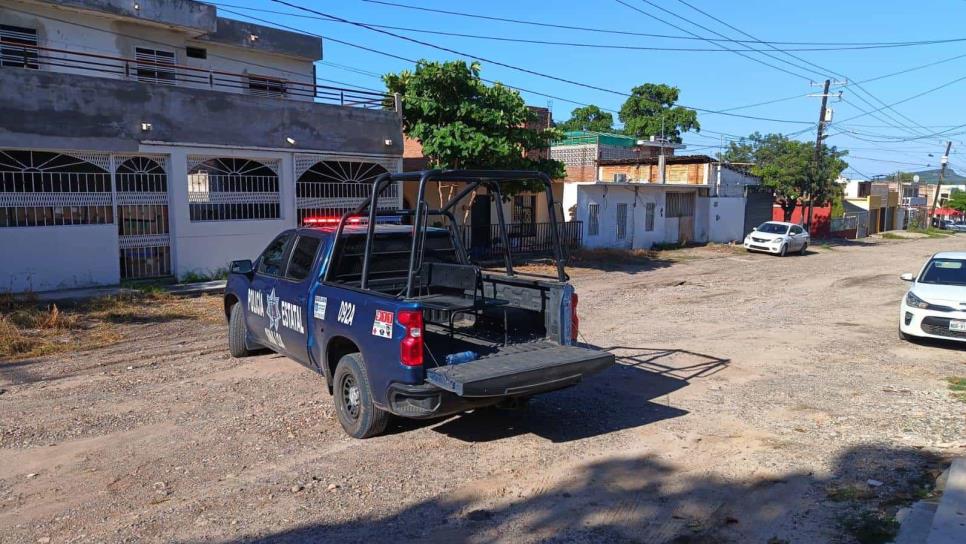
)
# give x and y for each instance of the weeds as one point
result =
(29, 328)
(892, 236)
(931, 232)
(196, 276)
(871, 527)
(958, 387)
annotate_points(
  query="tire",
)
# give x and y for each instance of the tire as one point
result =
(784, 251)
(237, 332)
(906, 337)
(357, 414)
(804, 248)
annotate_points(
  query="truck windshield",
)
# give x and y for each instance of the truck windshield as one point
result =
(945, 272)
(773, 228)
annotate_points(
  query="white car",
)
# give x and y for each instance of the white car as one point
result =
(778, 238)
(935, 305)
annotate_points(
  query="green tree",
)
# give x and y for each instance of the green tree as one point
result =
(590, 118)
(788, 167)
(957, 201)
(650, 111)
(461, 122)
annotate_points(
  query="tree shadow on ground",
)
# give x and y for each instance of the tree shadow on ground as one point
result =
(641, 498)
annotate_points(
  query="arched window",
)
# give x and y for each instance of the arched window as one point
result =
(331, 188)
(229, 189)
(41, 188)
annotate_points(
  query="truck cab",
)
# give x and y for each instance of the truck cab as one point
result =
(400, 321)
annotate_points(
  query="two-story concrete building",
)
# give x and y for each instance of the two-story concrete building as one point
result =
(155, 138)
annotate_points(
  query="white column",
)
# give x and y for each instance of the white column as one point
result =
(178, 215)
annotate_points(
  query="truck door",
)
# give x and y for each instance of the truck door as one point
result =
(292, 291)
(263, 314)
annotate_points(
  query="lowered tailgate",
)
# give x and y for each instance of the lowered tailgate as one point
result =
(520, 370)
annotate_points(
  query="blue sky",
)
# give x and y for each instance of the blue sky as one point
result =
(712, 80)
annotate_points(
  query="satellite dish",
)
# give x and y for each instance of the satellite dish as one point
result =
(915, 178)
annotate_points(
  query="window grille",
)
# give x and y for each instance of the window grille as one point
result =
(680, 205)
(39, 189)
(330, 188)
(229, 189)
(266, 86)
(15, 47)
(593, 222)
(621, 221)
(155, 65)
(649, 217)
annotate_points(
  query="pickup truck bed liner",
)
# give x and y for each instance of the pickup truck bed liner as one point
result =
(521, 369)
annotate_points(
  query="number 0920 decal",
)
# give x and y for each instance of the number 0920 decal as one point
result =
(347, 312)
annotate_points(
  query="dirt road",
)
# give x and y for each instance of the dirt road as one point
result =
(756, 398)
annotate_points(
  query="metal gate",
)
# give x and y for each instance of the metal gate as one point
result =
(758, 207)
(141, 188)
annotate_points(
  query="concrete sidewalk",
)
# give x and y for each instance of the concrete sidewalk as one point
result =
(949, 523)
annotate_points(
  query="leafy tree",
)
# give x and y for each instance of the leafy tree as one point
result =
(461, 122)
(649, 105)
(957, 201)
(788, 167)
(590, 118)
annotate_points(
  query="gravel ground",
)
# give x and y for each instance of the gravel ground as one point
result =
(755, 399)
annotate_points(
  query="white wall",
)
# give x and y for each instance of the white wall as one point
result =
(608, 196)
(733, 182)
(47, 258)
(726, 217)
(85, 33)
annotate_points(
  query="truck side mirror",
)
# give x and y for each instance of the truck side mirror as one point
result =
(241, 267)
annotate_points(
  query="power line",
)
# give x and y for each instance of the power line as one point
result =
(572, 43)
(513, 67)
(796, 57)
(648, 35)
(737, 52)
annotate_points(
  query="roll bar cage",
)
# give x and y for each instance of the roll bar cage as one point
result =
(489, 179)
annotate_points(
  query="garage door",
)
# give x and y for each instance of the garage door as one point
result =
(758, 207)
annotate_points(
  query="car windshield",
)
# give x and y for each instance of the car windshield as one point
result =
(773, 228)
(945, 272)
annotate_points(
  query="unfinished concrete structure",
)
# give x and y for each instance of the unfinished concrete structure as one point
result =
(155, 138)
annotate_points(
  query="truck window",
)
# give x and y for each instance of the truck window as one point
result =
(303, 257)
(390, 256)
(272, 262)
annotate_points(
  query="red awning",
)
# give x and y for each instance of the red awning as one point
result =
(948, 211)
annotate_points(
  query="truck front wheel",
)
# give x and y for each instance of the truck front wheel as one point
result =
(353, 399)
(237, 332)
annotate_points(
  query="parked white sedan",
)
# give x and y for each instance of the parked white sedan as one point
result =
(778, 238)
(935, 305)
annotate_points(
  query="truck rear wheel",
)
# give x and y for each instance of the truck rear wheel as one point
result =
(353, 399)
(237, 332)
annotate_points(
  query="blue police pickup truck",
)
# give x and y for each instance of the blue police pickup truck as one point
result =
(398, 318)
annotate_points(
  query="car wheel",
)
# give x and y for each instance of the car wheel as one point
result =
(804, 248)
(784, 250)
(353, 399)
(237, 332)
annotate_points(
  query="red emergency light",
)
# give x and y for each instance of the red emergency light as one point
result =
(331, 221)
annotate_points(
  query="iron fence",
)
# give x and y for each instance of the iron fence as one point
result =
(221, 197)
(155, 69)
(315, 198)
(484, 242)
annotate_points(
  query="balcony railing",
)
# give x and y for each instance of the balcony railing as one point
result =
(484, 242)
(21, 55)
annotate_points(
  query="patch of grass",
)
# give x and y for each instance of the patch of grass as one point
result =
(958, 387)
(871, 527)
(892, 236)
(931, 232)
(198, 276)
(849, 493)
(615, 256)
(29, 328)
(827, 246)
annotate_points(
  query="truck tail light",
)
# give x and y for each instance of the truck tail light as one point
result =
(574, 320)
(411, 347)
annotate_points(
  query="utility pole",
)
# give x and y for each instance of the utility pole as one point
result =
(939, 182)
(824, 116)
